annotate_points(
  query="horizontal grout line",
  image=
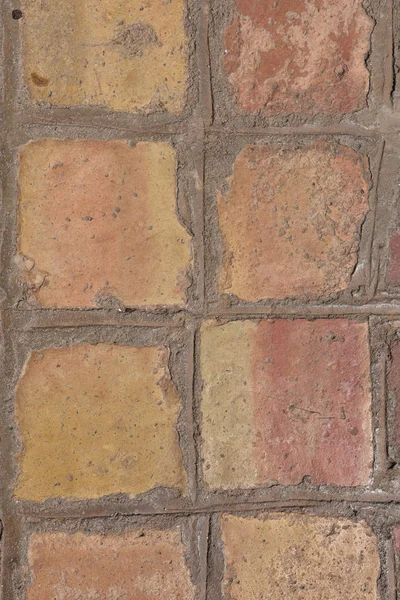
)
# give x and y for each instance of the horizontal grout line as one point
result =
(151, 130)
(75, 318)
(184, 127)
(309, 310)
(355, 131)
(236, 505)
(144, 324)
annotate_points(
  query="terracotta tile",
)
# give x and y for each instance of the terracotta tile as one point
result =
(97, 221)
(299, 557)
(298, 56)
(126, 56)
(294, 401)
(142, 565)
(290, 222)
(97, 420)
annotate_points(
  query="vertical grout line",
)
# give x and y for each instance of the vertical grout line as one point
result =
(391, 568)
(196, 416)
(383, 438)
(204, 65)
(203, 543)
(11, 521)
(372, 272)
(190, 421)
(202, 231)
(10, 548)
(4, 587)
(378, 383)
(203, 119)
(389, 59)
(197, 139)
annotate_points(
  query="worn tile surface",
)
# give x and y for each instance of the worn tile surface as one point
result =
(97, 221)
(298, 56)
(124, 55)
(285, 399)
(290, 222)
(141, 565)
(299, 557)
(97, 420)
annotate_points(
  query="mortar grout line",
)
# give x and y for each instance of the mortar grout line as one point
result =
(202, 257)
(306, 311)
(352, 130)
(198, 212)
(389, 62)
(190, 423)
(144, 325)
(372, 280)
(24, 317)
(203, 555)
(375, 416)
(11, 536)
(232, 507)
(11, 522)
(382, 438)
(196, 408)
(205, 93)
(391, 568)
